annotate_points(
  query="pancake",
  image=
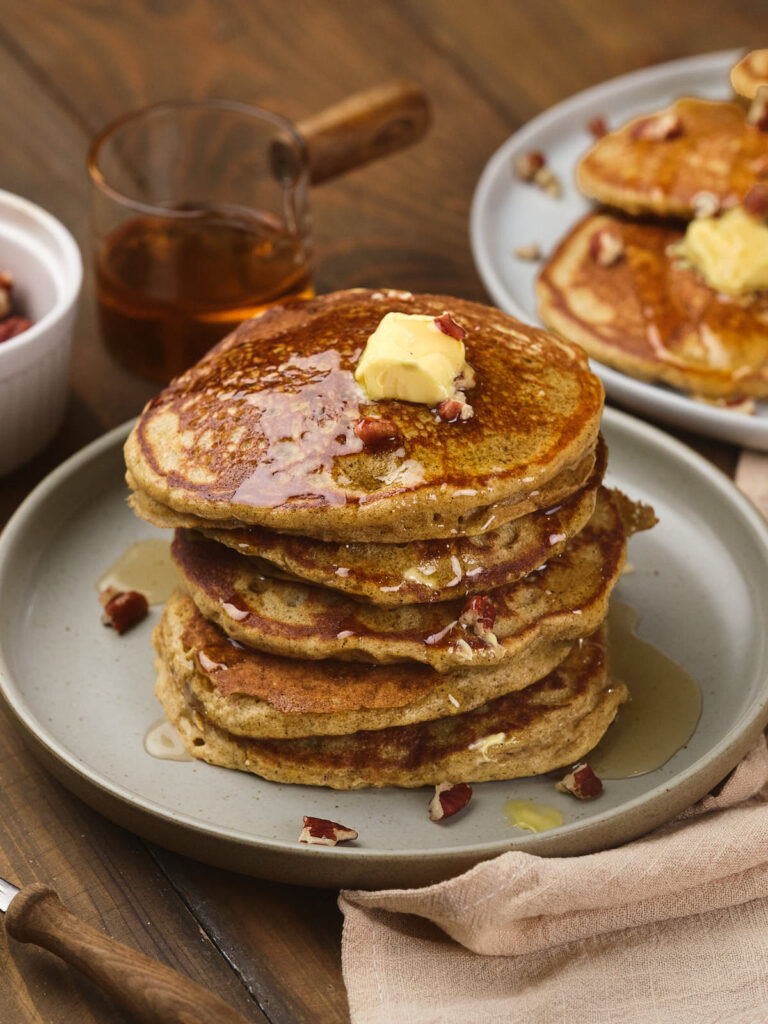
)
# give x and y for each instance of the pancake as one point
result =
(250, 693)
(750, 73)
(565, 599)
(717, 152)
(467, 524)
(547, 725)
(429, 570)
(652, 316)
(261, 430)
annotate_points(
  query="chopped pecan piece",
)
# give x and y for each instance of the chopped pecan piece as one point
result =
(530, 252)
(527, 164)
(478, 614)
(321, 832)
(547, 180)
(375, 433)
(12, 326)
(122, 608)
(466, 379)
(658, 128)
(606, 248)
(449, 799)
(448, 325)
(757, 114)
(6, 289)
(756, 201)
(450, 409)
(597, 126)
(705, 204)
(207, 664)
(581, 782)
(744, 405)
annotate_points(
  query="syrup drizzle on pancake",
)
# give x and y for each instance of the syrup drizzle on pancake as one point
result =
(308, 407)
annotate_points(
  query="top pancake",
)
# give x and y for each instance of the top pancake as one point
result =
(750, 73)
(716, 152)
(261, 431)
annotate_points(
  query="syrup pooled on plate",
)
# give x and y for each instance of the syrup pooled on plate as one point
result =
(532, 816)
(663, 709)
(162, 741)
(145, 566)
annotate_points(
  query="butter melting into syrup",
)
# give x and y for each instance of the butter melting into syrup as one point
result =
(162, 741)
(532, 816)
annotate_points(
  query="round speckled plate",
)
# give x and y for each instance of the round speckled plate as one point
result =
(507, 213)
(83, 696)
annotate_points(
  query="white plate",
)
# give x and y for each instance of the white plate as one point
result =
(507, 213)
(83, 696)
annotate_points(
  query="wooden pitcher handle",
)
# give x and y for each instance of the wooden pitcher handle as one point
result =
(364, 127)
(151, 991)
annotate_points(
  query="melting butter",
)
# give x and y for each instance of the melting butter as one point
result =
(145, 566)
(532, 816)
(409, 358)
(487, 742)
(162, 740)
(663, 709)
(731, 251)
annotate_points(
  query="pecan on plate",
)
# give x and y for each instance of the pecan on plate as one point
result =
(449, 799)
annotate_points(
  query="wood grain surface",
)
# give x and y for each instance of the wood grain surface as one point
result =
(272, 951)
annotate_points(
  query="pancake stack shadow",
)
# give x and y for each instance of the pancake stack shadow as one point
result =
(425, 609)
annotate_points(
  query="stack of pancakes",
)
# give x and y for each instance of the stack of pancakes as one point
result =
(403, 613)
(646, 311)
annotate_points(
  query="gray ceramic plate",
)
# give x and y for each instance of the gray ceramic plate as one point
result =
(507, 213)
(83, 696)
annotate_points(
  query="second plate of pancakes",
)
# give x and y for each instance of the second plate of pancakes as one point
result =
(508, 213)
(84, 697)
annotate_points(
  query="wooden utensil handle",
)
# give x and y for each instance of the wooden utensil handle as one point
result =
(151, 991)
(364, 127)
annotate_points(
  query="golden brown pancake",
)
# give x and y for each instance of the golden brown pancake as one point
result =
(250, 693)
(565, 599)
(547, 725)
(261, 431)
(717, 152)
(466, 524)
(750, 73)
(428, 570)
(652, 316)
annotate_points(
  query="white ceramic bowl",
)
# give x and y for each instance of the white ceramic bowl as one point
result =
(34, 366)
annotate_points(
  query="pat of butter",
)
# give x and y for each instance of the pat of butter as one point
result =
(731, 251)
(409, 358)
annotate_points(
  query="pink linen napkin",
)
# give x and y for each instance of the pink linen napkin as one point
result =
(671, 929)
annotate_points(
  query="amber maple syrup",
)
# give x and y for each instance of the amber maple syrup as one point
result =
(170, 287)
(659, 718)
(147, 566)
(663, 709)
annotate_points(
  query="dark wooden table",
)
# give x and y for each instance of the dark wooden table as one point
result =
(272, 950)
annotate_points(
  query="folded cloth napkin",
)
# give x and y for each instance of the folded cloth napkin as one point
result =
(670, 929)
